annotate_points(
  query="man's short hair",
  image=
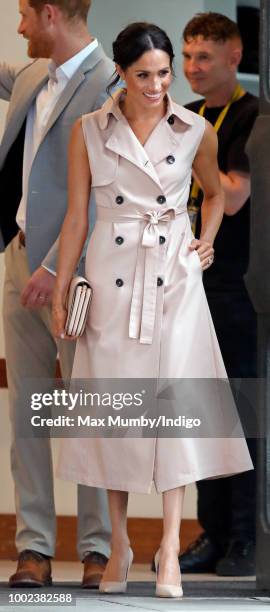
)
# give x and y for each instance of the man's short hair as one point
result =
(74, 9)
(211, 26)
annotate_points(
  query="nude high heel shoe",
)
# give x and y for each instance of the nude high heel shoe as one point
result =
(166, 590)
(117, 587)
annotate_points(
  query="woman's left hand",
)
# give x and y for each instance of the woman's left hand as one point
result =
(205, 251)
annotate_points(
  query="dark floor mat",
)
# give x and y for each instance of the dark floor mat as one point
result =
(208, 590)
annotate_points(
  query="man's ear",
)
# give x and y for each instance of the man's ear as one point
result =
(50, 13)
(236, 56)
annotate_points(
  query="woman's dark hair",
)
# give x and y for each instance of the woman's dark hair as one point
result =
(134, 41)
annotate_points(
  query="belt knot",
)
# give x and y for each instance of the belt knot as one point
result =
(150, 233)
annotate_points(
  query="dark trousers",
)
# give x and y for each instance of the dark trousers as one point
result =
(226, 506)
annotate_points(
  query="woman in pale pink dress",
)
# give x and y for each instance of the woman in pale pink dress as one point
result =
(149, 317)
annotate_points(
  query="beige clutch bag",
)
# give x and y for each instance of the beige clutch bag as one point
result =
(78, 302)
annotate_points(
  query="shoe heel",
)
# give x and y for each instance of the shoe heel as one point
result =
(156, 560)
(166, 590)
(117, 587)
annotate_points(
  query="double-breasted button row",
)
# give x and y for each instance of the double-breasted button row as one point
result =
(161, 198)
(119, 282)
(119, 240)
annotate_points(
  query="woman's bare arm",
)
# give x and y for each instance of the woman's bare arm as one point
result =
(206, 169)
(75, 226)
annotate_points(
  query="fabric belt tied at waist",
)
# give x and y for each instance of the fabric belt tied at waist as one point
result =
(144, 295)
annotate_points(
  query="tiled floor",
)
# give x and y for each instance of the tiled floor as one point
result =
(141, 595)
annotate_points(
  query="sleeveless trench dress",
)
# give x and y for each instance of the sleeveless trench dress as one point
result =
(149, 316)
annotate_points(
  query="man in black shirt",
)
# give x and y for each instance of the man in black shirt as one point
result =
(212, 51)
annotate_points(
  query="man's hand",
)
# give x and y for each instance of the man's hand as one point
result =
(38, 291)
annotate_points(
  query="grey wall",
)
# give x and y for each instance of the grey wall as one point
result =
(255, 3)
(108, 17)
(227, 7)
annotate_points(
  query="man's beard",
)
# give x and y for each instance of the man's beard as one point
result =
(39, 48)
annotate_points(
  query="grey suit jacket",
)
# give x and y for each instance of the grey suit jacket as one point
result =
(47, 189)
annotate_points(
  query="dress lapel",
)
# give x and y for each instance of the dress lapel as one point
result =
(167, 137)
(163, 141)
(123, 141)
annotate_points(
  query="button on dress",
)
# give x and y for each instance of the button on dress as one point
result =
(149, 316)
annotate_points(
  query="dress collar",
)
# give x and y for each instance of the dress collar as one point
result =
(112, 108)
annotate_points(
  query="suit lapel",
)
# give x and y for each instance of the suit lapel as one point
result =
(63, 101)
(72, 86)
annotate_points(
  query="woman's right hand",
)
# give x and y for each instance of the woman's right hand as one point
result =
(59, 316)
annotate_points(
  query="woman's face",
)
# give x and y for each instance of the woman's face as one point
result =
(148, 79)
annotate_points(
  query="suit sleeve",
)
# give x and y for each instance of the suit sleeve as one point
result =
(50, 261)
(8, 76)
(102, 97)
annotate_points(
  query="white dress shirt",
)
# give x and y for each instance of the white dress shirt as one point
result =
(40, 112)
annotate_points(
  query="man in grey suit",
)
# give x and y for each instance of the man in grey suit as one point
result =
(46, 97)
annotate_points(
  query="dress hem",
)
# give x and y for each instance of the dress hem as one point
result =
(180, 482)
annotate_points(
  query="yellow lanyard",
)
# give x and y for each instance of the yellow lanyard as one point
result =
(237, 94)
(193, 206)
